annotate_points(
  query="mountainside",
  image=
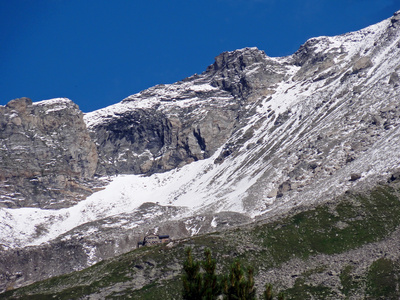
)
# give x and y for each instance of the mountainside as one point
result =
(339, 250)
(249, 139)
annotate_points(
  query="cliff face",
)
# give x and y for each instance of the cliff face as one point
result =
(251, 137)
(169, 126)
(46, 153)
(144, 140)
(49, 157)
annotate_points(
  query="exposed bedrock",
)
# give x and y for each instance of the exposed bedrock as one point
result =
(46, 153)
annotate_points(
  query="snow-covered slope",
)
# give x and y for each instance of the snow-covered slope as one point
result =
(253, 135)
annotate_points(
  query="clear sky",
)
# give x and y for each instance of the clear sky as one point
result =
(97, 52)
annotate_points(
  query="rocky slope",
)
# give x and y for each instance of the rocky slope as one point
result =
(169, 126)
(252, 136)
(46, 154)
(339, 250)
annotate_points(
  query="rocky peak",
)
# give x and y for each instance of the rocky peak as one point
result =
(237, 60)
(19, 104)
(45, 150)
(162, 128)
(168, 126)
(243, 71)
(345, 55)
(395, 20)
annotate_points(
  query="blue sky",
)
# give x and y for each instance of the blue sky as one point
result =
(97, 52)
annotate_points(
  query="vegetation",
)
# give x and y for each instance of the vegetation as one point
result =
(383, 279)
(349, 223)
(269, 295)
(330, 229)
(237, 286)
(194, 286)
(350, 283)
(210, 279)
(207, 285)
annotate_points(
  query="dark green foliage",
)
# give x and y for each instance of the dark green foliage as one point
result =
(200, 285)
(191, 278)
(237, 286)
(281, 296)
(206, 285)
(200, 280)
(268, 292)
(383, 280)
(210, 279)
(302, 290)
(350, 283)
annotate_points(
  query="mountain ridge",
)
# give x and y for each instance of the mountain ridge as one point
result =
(250, 137)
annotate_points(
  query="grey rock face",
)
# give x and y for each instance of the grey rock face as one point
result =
(183, 122)
(155, 140)
(46, 153)
(242, 72)
(280, 132)
(30, 264)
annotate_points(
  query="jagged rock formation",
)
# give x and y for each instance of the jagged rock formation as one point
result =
(164, 136)
(252, 136)
(169, 126)
(46, 153)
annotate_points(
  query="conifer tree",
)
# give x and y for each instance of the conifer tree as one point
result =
(236, 286)
(191, 278)
(211, 284)
(268, 295)
(268, 292)
(250, 291)
(205, 284)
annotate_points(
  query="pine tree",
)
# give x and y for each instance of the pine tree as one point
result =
(236, 286)
(211, 285)
(250, 289)
(191, 279)
(268, 292)
(205, 284)
(268, 295)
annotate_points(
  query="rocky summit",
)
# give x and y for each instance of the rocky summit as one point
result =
(251, 138)
(46, 154)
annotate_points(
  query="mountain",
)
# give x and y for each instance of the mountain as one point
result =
(248, 140)
(343, 249)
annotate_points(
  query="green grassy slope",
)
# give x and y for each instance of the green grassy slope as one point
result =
(338, 250)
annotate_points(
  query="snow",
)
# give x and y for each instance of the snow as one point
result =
(204, 186)
(90, 252)
(202, 88)
(57, 104)
(19, 227)
(187, 187)
(180, 94)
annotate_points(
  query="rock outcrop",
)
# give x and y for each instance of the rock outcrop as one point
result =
(46, 154)
(168, 126)
(253, 136)
(157, 139)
